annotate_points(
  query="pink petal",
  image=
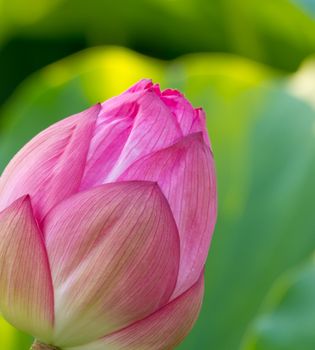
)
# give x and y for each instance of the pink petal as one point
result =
(185, 173)
(154, 128)
(165, 329)
(190, 120)
(50, 167)
(115, 122)
(199, 124)
(114, 253)
(141, 85)
(113, 128)
(129, 126)
(26, 293)
(182, 108)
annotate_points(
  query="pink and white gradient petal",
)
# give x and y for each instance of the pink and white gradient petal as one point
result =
(107, 143)
(163, 330)
(26, 292)
(114, 252)
(186, 175)
(50, 167)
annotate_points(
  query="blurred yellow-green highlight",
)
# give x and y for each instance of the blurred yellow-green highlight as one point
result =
(249, 64)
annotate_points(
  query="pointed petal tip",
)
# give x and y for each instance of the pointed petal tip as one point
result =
(143, 183)
(200, 113)
(142, 84)
(148, 188)
(92, 111)
(18, 204)
(95, 109)
(23, 199)
(26, 202)
(90, 114)
(26, 292)
(146, 81)
(196, 136)
(190, 140)
(152, 187)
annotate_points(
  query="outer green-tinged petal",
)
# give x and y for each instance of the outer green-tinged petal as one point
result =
(163, 330)
(114, 252)
(185, 172)
(26, 293)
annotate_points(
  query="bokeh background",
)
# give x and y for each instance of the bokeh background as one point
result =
(249, 63)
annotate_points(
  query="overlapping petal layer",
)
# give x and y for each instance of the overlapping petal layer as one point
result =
(185, 172)
(51, 166)
(125, 195)
(191, 120)
(26, 292)
(154, 127)
(114, 252)
(162, 330)
(140, 121)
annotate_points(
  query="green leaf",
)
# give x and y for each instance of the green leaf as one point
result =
(307, 5)
(287, 320)
(278, 33)
(264, 147)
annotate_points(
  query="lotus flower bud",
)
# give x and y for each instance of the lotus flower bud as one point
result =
(105, 225)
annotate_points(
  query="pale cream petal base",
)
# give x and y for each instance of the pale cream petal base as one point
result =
(163, 330)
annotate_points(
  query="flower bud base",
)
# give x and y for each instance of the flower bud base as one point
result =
(40, 346)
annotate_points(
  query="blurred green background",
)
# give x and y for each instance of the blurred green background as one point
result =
(249, 64)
